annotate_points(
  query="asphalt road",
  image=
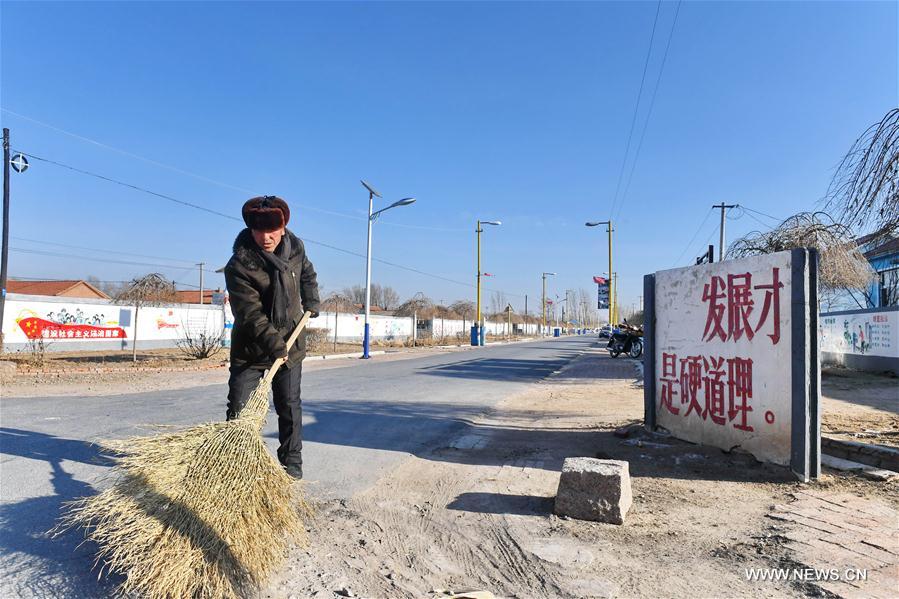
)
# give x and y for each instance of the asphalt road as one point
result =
(358, 422)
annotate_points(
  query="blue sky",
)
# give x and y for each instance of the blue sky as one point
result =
(511, 111)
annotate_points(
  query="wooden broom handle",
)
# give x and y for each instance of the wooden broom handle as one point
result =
(290, 341)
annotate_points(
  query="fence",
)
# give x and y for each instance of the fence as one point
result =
(862, 339)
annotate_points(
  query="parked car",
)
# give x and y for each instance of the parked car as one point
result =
(605, 331)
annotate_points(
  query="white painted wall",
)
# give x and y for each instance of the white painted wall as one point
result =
(88, 321)
(68, 324)
(869, 333)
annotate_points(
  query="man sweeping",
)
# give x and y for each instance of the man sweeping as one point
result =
(271, 283)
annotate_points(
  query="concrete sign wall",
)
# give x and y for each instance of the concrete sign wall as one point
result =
(731, 353)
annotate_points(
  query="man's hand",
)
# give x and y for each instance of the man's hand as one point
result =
(313, 313)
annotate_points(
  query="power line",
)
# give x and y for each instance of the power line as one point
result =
(748, 213)
(652, 102)
(93, 258)
(131, 186)
(105, 251)
(690, 243)
(129, 154)
(774, 218)
(18, 278)
(208, 179)
(234, 218)
(636, 108)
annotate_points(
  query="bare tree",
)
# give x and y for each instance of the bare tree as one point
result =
(110, 288)
(356, 294)
(841, 265)
(418, 304)
(864, 192)
(464, 308)
(338, 302)
(498, 303)
(390, 299)
(382, 296)
(150, 290)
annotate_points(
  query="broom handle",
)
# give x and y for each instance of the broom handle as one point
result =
(290, 341)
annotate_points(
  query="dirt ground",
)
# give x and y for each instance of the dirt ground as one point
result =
(860, 406)
(477, 514)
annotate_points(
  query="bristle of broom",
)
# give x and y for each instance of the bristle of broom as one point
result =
(204, 513)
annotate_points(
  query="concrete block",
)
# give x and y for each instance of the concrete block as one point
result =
(592, 489)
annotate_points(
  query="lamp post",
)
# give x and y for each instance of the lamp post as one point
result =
(366, 336)
(477, 329)
(613, 295)
(544, 299)
(609, 230)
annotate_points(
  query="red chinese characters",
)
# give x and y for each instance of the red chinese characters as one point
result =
(723, 384)
(731, 304)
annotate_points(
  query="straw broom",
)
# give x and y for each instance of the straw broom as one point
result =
(201, 513)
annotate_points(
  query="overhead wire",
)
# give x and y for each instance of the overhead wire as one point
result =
(759, 221)
(690, 243)
(774, 218)
(652, 102)
(93, 258)
(636, 109)
(209, 180)
(105, 251)
(234, 218)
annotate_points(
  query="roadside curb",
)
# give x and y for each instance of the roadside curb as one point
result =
(339, 356)
(158, 369)
(879, 456)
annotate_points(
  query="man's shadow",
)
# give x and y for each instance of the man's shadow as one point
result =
(34, 562)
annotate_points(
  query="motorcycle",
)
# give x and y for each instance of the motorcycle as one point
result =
(627, 341)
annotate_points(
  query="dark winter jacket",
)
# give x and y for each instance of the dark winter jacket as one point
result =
(255, 341)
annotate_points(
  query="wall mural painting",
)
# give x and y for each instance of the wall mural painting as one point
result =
(63, 324)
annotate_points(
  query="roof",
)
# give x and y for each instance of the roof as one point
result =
(890, 246)
(192, 296)
(69, 288)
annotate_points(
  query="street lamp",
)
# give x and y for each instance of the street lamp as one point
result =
(609, 230)
(366, 337)
(477, 329)
(544, 299)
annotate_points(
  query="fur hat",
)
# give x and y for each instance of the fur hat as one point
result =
(266, 213)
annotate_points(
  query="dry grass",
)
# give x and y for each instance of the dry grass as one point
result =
(206, 512)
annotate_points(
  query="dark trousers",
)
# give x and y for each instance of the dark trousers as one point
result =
(286, 395)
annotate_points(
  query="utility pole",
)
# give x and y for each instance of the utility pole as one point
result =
(543, 331)
(723, 207)
(478, 336)
(4, 252)
(201, 265)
